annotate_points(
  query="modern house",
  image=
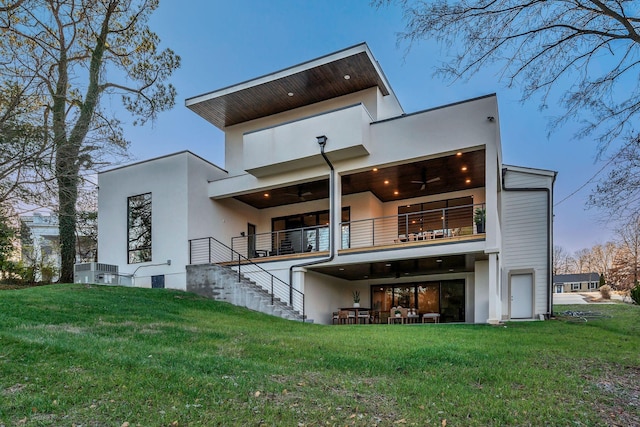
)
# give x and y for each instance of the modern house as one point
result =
(580, 282)
(329, 187)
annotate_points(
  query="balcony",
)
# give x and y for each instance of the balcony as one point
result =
(424, 227)
(397, 231)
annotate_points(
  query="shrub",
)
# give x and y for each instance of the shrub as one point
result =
(635, 294)
(605, 292)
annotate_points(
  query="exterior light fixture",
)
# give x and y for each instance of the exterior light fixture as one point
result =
(464, 168)
(290, 94)
(395, 193)
(386, 181)
(347, 76)
(468, 181)
(459, 153)
(322, 140)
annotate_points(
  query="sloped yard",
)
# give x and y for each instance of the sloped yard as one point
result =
(98, 356)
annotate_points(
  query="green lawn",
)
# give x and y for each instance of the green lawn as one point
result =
(108, 356)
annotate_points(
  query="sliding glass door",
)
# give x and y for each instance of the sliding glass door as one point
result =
(445, 297)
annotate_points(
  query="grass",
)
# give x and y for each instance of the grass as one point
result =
(107, 356)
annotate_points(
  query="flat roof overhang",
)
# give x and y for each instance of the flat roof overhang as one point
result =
(403, 268)
(398, 182)
(340, 73)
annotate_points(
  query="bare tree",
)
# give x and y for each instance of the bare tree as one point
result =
(562, 261)
(629, 255)
(587, 49)
(75, 53)
(602, 258)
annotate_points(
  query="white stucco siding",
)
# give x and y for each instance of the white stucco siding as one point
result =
(435, 132)
(480, 293)
(180, 210)
(525, 221)
(234, 135)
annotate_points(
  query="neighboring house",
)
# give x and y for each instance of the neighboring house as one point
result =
(331, 187)
(39, 242)
(581, 282)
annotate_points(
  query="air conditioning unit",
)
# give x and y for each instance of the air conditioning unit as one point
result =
(95, 272)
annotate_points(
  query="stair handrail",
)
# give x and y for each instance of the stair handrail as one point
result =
(203, 251)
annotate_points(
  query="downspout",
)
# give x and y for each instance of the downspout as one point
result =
(549, 233)
(322, 141)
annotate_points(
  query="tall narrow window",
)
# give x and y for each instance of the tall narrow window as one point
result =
(139, 228)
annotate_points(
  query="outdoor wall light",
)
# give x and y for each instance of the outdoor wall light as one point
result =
(322, 140)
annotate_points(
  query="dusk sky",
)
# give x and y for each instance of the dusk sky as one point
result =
(222, 43)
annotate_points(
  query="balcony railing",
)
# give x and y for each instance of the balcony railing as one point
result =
(283, 242)
(423, 226)
(430, 225)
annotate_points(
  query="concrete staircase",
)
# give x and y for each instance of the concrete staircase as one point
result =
(221, 284)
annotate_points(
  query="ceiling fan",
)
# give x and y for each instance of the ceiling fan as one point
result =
(300, 194)
(424, 181)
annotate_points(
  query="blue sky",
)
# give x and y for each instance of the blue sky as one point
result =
(226, 42)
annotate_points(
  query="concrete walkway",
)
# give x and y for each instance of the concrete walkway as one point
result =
(583, 298)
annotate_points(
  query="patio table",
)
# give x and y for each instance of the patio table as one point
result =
(355, 309)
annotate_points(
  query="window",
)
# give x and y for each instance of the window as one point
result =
(305, 232)
(593, 285)
(575, 286)
(442, 214)
(139, 228)
(446, 298)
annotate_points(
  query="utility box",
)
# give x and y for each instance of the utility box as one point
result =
(95, 272)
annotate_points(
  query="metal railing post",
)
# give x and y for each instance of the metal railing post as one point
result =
(271, 289)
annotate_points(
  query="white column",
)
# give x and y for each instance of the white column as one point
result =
(495, 302)
(337, 215)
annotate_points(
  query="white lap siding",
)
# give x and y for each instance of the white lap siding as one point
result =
(524, 236)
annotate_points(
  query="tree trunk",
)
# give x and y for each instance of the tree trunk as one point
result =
(67, 177)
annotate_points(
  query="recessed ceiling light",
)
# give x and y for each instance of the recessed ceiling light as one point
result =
(468, 181)
(406, 274)
(375, 169)
(341, 269)
(451, 269)
(464, 168)
(386, 181)
(438, 260)
(387, 265)
(459, 153)
(266, 194)
(290, 94)
(347, 76)
(395, 193)
(366, 277)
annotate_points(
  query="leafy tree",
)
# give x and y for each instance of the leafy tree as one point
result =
(70, 55)
(24, 151)
(7, 236)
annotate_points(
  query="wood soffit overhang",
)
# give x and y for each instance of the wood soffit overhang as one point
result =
(311, 84)
(402, 268)
(455, 172)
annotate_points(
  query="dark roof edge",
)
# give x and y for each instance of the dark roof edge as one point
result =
(164, 157)
(278, 71)
(440, 107)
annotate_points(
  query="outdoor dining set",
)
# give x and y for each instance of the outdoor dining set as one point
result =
(364, 315)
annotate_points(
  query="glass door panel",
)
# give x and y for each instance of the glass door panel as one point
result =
(452, 301)
(429, 298)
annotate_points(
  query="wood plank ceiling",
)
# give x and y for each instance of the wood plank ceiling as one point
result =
(442, 175)
(306, 87)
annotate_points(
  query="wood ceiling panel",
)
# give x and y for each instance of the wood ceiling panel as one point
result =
(400, 178)
(308, 87)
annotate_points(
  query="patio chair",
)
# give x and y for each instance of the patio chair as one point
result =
(364, 317)
(346, 317)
